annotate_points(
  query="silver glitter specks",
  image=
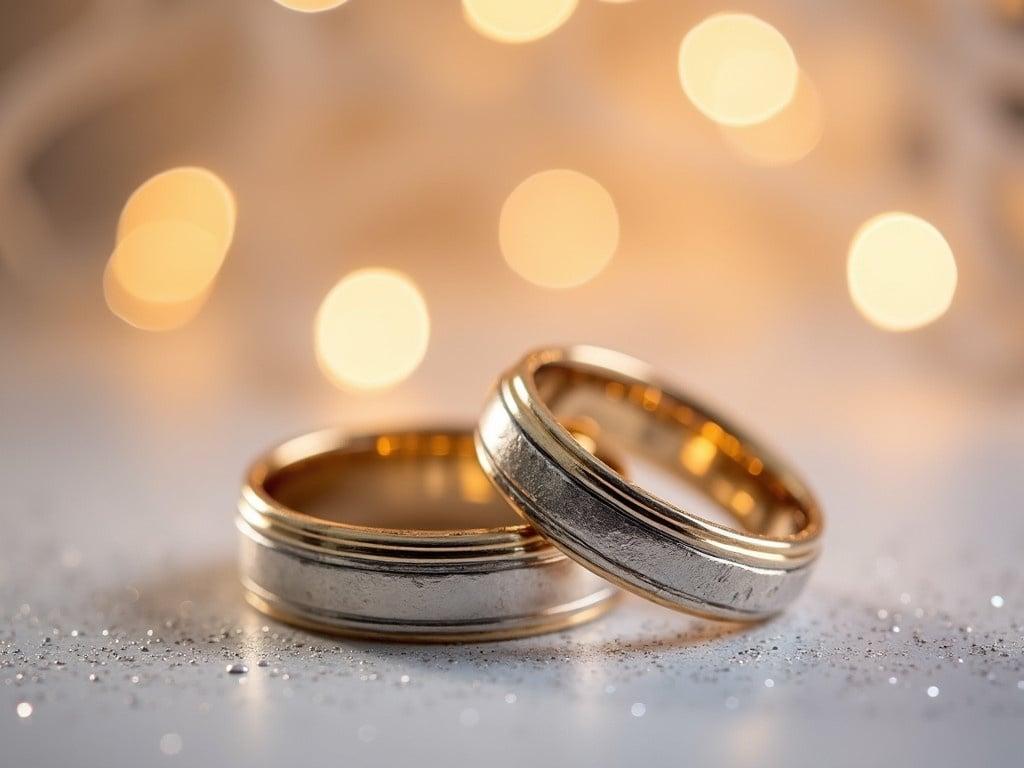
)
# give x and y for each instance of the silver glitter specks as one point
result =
(236, 669)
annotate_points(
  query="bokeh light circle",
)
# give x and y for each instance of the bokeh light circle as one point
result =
(160, 274)
(194, 195)
(172, 238)
(166, 261)
(372, 330)
(737, 69)
(784, 138)
(901, 272)
(310, 6)
(148, 315)
(558, 228)
(517, 21)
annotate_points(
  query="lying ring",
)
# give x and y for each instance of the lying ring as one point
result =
(400, 536)
(627, 534)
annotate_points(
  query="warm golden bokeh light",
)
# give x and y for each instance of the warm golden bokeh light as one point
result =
(310, 6)
(558, 228)
(194, 195)
(786, 137)
(697, 455)
(148, 315)
(372, 329)
(161, 273)
(517, 21)
(901, 272)
(737, 69)
(166, 261)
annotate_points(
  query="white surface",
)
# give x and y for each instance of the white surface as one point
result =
(117, 509)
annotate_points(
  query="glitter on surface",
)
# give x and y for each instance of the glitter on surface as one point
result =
(997, 601)
(639, 709)
(933, 691)
(24, 709)
(170, 570)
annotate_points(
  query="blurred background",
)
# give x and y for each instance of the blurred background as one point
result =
(721, 246)
(393, 135)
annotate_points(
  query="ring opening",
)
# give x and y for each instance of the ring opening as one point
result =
(423, 481)
(635, 419)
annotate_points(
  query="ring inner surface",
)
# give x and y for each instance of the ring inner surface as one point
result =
(413, 482)
(633, 419)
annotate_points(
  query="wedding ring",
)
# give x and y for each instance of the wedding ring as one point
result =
(400, 536)
(623, 532)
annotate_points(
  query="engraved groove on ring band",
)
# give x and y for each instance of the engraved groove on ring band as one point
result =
(381, 550)
(615, 490)
(620, 491)
(586, 556)
(624, 533)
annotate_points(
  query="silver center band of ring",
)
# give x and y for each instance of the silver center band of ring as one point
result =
(400, 536)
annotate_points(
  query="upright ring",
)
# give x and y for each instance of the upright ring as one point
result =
(400, 536)
(623, 532)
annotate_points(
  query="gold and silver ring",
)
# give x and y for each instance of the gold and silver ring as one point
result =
(400, 536)
(624, 532)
